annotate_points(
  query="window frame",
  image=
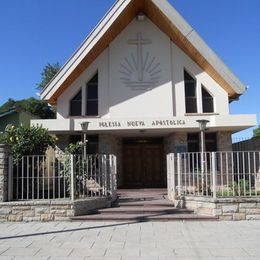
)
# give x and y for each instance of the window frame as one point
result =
(195, 91)
(81, 101)
(89, 83)
(207, 98)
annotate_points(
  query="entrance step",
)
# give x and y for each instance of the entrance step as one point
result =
(140, 206)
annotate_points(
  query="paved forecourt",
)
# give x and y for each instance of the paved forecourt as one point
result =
(148, 240)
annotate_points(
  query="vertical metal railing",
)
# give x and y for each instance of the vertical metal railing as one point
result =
(72, 177)
(225, 174)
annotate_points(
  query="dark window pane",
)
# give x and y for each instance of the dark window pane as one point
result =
(205, 93)
(208, 106)
(92, 92)
(190, 90)
(207, 101)
(191, 105)
(190, 93)
(193, 142)
(74, 138)
(211, 142)
(92, 147)
(75, 105)
(92, 97)
(92, 108)
(94, 79)
(75, 108)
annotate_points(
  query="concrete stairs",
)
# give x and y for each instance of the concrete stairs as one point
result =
(142, 205)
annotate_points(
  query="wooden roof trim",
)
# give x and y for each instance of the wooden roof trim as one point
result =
(167, 19)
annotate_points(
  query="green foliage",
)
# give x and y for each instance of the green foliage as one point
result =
(256, 132)
(27, 140)
(74, 148)
(49, 71)
(32, 105)
(241, 188)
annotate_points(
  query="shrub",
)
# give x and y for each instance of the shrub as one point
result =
(74, 148)
(27, 140)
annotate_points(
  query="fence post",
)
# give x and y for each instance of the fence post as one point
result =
(171, 176)
(72, 194)
(113, 175)
(179, 173)
(10, 178)
(214, 180)
(111, 172)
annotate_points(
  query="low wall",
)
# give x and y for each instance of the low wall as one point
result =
(49, 210)
(223, 208)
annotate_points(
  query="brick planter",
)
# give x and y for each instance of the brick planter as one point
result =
(223, 208)
(49, 210)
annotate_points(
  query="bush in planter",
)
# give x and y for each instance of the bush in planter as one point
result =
(27, 140)
(74, 148)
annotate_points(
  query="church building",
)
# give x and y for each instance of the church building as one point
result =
(141, 79)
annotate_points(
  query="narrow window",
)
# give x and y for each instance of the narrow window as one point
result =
(92, 147)
(193, 142)
(75, 104)
(207, 101)
(92, 97)
(190, 93)
(211, 142)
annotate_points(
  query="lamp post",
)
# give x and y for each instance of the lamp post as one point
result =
(84, 127)
(202, 126)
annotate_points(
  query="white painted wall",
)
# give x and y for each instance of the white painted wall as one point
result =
(100, 65)
(180, 61)
(166, 98)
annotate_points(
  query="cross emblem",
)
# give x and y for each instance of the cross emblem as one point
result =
(139, 42)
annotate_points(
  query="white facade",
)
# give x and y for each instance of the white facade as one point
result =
(142, 94)
(128, 103)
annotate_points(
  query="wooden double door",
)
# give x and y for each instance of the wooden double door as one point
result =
(143, 163)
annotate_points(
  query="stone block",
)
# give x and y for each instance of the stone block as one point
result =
(58, 218)
(30, 219)
(217, 212)
(28, 213)
(15, 218)
(21, 208)
(248, 205)
(230, 208)
(70, 213)
(47, 217)
(5, 211)
(252, 211)
(226, 217)
(42, 210)
(59, 212)
(252, 217)
(239, 216)
(60, 207)
(205, 211)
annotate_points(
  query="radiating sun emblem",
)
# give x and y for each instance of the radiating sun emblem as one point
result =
(140, 71)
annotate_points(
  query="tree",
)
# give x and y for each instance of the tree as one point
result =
(27, 140)
(49, 71)
(256, 132)
(32, 105)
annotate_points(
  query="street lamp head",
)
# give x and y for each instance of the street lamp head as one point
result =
(202, 124)
(84, 126)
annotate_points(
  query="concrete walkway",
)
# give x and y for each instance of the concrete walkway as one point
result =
(135, 241)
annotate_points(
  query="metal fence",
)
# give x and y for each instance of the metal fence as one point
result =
(63, 177)
(216, 174)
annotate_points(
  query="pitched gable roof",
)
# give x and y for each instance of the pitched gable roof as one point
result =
(161, 13)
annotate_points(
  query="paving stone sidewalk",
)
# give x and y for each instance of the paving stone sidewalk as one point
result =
(135, 241)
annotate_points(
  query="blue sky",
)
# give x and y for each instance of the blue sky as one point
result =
(35, 32)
